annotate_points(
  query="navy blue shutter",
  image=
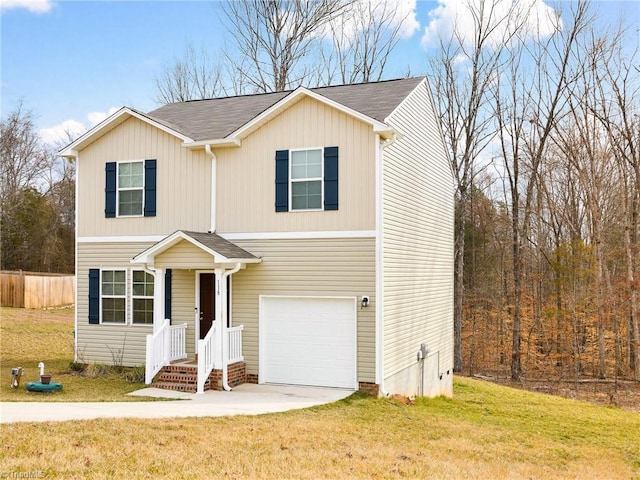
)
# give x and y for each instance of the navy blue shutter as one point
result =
(149, 188)
(331, 178)
(282, 181)
(167, 293)
(94, 295)
(110, 190)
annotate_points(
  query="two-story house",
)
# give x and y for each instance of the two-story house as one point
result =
(301, 237)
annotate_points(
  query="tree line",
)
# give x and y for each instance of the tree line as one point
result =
(544, 135)
(543, 131)
(37, 200)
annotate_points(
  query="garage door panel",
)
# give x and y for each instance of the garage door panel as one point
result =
(308, 341)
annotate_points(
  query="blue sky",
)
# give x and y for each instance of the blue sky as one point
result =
(76, 61)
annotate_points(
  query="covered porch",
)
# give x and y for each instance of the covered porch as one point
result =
(208, 340)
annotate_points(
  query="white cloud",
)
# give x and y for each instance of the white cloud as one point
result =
(394, 13)
(69, 130)
(96, 117)
(406, 14)
(454, 16)
(63, 133)
(35, 6)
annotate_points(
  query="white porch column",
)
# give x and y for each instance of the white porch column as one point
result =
(225, 314)
(220, 293)
(158, 299)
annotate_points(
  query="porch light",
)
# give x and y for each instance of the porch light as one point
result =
(365, 301)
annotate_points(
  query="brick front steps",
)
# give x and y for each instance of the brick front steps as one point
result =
(184, 377)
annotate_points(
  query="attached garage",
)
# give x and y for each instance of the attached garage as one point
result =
(308, 341)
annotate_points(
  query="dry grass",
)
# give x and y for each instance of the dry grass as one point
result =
(28, 337)
(486, 431)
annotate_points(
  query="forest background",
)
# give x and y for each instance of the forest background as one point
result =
(540, 110)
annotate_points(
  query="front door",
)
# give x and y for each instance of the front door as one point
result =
(207, 303)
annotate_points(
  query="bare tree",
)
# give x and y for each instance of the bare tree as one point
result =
(281, 44)
(362, 40)
(462, 76)
(36, 200)
(194, 76)
(618, 109)
(273, 40)
(530, 101)
(23, 158)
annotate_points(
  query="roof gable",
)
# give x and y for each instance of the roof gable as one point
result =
(219, 118)
(224, 120)
(222, 251)
(112, 122)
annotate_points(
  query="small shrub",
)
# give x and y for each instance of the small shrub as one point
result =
(77, 367)
(135, 374)
(95, 370)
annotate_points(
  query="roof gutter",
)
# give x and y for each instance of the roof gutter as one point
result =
(219, 143)
(214, 176)
(70, 154)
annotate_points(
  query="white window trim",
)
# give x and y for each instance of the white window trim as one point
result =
(133, 297)
(308, 179)
(128, 189)
(126, 283)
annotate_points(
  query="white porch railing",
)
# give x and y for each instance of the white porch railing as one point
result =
(206, 357)
(235, 344)
(207, 352)
(164, 346)
(178, 342)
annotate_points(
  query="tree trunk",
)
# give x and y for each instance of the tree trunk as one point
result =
(517, 293)
(600, 283)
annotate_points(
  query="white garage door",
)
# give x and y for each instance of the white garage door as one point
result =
(308, 341)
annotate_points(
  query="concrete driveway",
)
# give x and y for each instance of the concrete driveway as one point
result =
(247, 399)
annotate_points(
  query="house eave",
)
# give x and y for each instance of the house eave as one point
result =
(111, 122)
(216, 143)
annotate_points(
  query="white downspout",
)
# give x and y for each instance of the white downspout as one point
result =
(380, 261)
(75, 261)
(214, 173)
(223, 326)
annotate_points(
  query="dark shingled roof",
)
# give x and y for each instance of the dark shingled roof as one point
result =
(216, 118)
(220, 245)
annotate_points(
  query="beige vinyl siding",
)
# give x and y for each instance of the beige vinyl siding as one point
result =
(102, 343)
(320, 267)
(183, 183)
(96, 342)
(417, 238)
(183, 303)
(246, 176)
(184, 254)
(184, 259)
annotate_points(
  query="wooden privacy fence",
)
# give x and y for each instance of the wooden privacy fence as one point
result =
(36, 290)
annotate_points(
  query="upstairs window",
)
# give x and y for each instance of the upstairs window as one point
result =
(306, 179)
(130, 188)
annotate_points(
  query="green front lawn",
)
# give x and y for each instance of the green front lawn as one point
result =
(29, 337)
(486, 431)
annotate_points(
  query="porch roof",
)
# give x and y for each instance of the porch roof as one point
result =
(222, 251)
